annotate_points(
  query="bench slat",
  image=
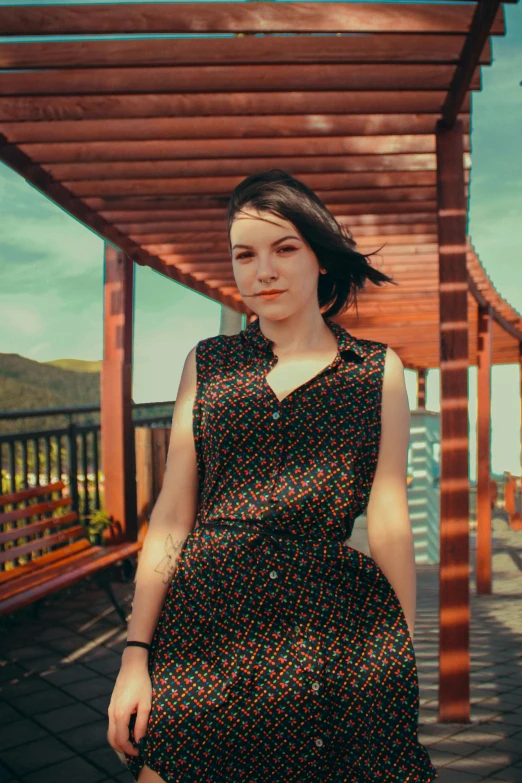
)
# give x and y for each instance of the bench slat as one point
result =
(40, 576)
(41, 543)
(31, 492)
(36, 510)
(26, 572)
(37, 527)
(64, 575)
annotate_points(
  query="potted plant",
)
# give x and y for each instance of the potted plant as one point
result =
(99, 522)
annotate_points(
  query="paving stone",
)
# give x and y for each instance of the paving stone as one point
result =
(67, 717)
(109, 665)
(42, 701)
(485, 762)
(89, 737)
(101, 703)
(32, 756)
(69, 672)
(446, 775)
(54, 632)
(8, 714)
(10, 672)
(22, 687)
(476, 736)
(36, 665)
(73, 770)
(27, 652)
(509, 743)
(510, 774)
(106, 759)
(89, 689)
(5, 775)
(124, 777)
(19, 732)
(512, 718)
(499, 727)
(68, 644)
(454, 747)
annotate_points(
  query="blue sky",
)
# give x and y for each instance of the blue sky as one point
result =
(51, 267)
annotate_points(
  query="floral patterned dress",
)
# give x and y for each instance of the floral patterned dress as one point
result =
(282, 654)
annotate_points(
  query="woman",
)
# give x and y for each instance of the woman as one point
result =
(278, 654)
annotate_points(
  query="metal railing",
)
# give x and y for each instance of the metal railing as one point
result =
(70, 452)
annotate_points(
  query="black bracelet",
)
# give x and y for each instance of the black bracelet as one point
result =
(138, 644)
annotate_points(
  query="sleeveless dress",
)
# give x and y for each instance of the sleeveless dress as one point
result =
(281, 654)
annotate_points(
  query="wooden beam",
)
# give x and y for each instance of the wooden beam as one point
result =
(201, 203)
(117, 429)
(56, 192)
(350, 187)
(216, 226)
(183, 79)
(483, 503)
(91, 107)
(183, 129)
(232, 167)
(488, 14)
(374, 48)
(304, 17)
(454, 478)
(186, 150)
(212, 219)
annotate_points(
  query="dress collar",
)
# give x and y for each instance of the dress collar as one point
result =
(345, 340)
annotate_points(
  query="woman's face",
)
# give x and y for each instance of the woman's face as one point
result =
(268, 248)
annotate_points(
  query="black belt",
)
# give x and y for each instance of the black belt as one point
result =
(260, 528)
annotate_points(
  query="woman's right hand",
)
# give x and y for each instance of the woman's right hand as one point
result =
(132, 694)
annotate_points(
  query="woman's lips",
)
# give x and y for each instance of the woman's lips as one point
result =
(271, 296)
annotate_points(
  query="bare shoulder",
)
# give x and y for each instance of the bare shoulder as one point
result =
(393, 366)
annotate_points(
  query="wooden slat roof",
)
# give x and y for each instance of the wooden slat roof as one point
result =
(143, 140)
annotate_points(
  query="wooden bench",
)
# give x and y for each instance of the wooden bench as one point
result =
(57, 546)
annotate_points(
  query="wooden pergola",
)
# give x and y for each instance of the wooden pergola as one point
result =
(143, 140)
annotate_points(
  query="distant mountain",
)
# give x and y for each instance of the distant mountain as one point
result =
(25, 383)
(77, 365)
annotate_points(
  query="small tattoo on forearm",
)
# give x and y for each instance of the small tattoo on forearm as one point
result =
(167, 566)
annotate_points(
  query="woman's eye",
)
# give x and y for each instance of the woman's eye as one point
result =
(245, 255)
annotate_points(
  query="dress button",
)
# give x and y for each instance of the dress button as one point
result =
(273, 574)
(315, 686)
(276, 415)
(319, 742)
(297, 629)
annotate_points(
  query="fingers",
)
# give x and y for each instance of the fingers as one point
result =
(142, 718)
(118, 734)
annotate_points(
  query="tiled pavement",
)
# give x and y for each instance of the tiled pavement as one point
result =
(57, 675)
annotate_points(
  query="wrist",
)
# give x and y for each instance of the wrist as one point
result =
(135, 655)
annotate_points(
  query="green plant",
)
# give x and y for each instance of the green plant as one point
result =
(97, 523)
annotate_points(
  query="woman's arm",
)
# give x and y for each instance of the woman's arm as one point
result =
(171, 521)
(389, 530)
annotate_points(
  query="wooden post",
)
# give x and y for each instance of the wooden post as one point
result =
(145, 500)
(454, 610)
(421, 388)
(117, 433)
(484, 356)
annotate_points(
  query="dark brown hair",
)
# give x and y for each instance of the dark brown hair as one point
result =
(279, 193)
